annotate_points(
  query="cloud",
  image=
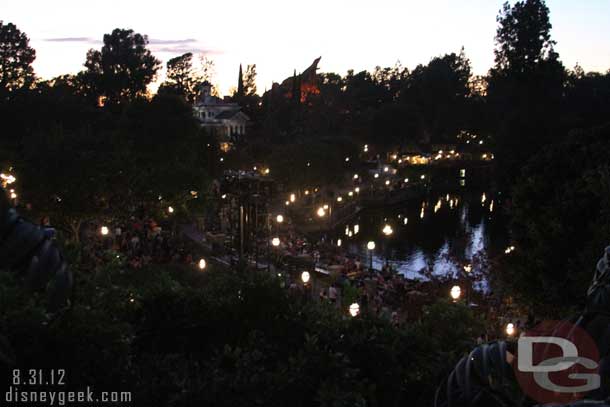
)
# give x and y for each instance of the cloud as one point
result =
(87, 40)
(183, 49)
(170, 46)
(156, 41)
(180, 46)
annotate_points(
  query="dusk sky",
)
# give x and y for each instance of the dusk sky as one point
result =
(280, 36)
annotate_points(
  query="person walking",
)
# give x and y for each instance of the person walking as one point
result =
(332, 294)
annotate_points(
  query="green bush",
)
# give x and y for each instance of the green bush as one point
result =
(175, 336)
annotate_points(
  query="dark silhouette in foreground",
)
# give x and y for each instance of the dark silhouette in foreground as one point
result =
(486, 378)
(29, 250)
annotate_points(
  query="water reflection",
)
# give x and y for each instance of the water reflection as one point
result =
(436, 236)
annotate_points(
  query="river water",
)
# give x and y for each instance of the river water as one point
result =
(439, 233)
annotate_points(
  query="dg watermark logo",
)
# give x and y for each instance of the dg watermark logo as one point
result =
(557, 362)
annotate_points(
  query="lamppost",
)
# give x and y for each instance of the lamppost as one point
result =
(354, 309)
(387, 231)
(510, 329)
(268, 242)
(325, 211)
(370, 246)
(321, 212)
(202, 264)
(456, 293)
(275, 242)
(308, 283)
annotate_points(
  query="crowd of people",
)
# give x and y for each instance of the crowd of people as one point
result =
(343, 276)
(139, 241)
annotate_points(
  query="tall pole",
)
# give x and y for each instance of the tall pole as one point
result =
(241, 232)
(268, 243)
(386, 251)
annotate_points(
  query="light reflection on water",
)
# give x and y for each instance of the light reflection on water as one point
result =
(456, 229)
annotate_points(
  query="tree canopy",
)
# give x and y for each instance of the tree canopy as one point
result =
(560, 221)
(182, 79)
(526, 85)
(524, 36)
(124, 66)
(16, 57)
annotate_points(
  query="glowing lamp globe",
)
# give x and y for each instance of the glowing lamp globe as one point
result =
(456, 292)
(354, 309)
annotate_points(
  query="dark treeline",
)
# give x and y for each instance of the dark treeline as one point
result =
(91, 144)
(528, 100)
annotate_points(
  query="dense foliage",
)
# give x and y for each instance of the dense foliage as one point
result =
(561, 222)
(178, 337)
(123, 68)
(16, 57)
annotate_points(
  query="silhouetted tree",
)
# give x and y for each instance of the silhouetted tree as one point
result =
(524, 36)
(395, 126)
(391, 79)
(525, 85)
(167, 149)
(587, 99)
(249, 80)
(124, 66)
(440, 92)
(208, 72)
(560, 220)
(16, 57)
(182, 80)
(240, 83)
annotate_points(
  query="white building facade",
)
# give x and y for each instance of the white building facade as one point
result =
(224, 119)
